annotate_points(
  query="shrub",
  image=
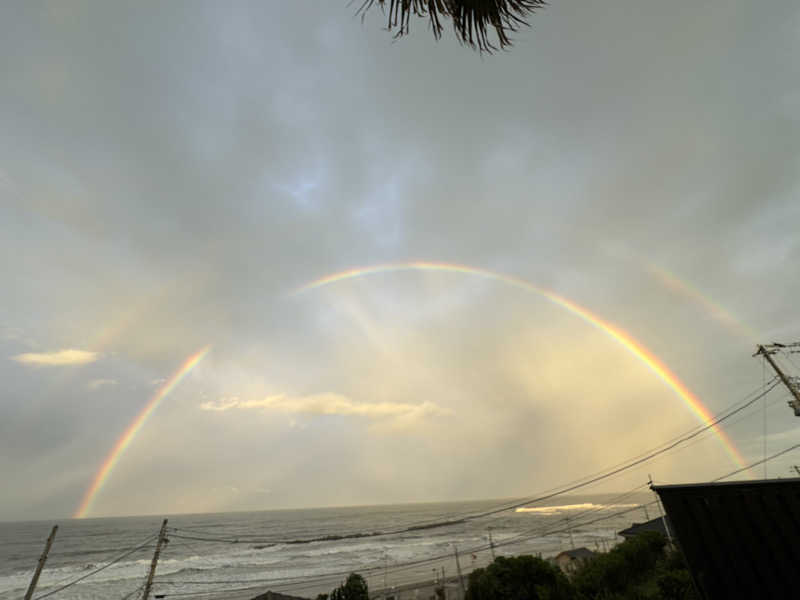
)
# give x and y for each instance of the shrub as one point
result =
(355, 588)
(518, 578)
(620, 570)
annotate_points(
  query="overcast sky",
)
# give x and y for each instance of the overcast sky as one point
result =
(170, 174)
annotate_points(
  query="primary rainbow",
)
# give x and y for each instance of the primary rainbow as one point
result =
(130, 432)
(626, 340)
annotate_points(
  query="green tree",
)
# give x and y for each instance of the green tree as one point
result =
(624, 570)
(673, 579)
(518, 578)
(355, 588)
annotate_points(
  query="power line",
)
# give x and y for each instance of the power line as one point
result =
(377, 568)
(133, 593)
(458, 520)
(526, 536)
(695, 431)
(532, 534)
(97, 570)
(317, 580)
(638, 461)
(547, 494)
(758, 462)
(741, 418)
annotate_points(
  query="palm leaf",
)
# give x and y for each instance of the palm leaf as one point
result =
(473, 20)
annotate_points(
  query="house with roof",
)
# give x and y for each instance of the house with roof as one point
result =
(656, 524)
(740, 538)
(276, 596)
(570, 561)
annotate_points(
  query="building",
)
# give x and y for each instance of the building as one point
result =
(277, 596)
(570, 560)
(656, 524)
(740, 538)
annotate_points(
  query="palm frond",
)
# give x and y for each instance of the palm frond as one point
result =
(473, 20)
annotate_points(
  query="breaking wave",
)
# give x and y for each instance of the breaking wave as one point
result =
(549, 510)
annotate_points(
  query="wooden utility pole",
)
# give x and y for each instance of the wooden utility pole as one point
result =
(491, 543)
(149, 583)
(661, 510)
(40, 565)
(571, 539)
(664, 519)
(766, 351)
(460, 576)
(385, 574)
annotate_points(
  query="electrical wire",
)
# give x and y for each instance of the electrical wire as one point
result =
(758, 462)
(638, 461)
(458, 520)
(133, 593)
(529, 534)
(102, 568)
(735, 408)
(532, 534)
(576, 522)
(317, 580)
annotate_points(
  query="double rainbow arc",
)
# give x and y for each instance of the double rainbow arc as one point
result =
(111, 460)
(638, 350)
(644, 355)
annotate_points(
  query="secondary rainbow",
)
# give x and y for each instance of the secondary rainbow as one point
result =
(111, 460)
(624, 339)
(716, 310)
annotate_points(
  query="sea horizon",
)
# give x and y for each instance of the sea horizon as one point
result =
(296, 549)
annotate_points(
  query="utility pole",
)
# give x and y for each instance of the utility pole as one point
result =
(661, 510)
(571, 539)
(149, 583)
(491, 543)
(460, 576)
(766, 352)
(40, 565)
(385, 573)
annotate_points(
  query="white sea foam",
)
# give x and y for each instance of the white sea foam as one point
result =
(549, 510)
(191, 565)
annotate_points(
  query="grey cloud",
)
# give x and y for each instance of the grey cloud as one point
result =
(56, 358)
(169, 174)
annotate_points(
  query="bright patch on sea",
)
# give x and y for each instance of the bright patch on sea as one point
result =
(550, 510)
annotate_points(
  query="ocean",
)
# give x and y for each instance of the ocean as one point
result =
(243, 554)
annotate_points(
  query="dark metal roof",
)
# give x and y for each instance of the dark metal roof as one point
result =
(276, 596)
(577, 553)
(741, 539)
(656, 524)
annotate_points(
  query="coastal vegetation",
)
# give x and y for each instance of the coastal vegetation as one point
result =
(355, 588)
(519, 578)
(643, 567)
(640, 568)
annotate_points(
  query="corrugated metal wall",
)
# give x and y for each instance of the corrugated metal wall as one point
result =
(740, 539)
